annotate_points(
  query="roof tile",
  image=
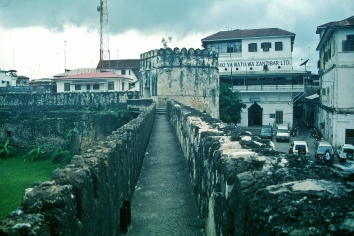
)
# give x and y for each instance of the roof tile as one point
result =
(248, 33)
(99, 75)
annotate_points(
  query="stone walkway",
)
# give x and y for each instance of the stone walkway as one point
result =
(163, 203)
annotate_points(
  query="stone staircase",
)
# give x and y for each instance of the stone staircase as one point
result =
(161, 111)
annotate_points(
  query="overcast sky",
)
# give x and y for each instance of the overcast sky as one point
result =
(39, 37)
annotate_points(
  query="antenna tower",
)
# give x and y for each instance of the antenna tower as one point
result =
(104, 36)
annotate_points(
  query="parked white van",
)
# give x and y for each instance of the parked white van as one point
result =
(282, 133)
(299, 145)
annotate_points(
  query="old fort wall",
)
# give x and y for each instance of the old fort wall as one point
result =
(79, 100)
(91, 195)
(49, 118)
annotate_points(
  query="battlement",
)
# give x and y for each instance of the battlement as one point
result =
(187, 76)
(160, 58)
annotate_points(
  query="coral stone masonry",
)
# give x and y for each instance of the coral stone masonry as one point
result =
(188, 76)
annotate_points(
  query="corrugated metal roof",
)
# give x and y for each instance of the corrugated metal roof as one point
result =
(77, 71)
(121, 64)
(248, 33)
(346, 22)
(331, 26)
(99, 75)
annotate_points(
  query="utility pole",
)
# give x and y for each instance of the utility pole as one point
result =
(104, 36)
(65, 56)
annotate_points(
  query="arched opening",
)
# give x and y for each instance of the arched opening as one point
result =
(255, 113)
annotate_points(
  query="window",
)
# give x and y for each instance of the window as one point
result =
(323, 92)
(77, 86)
(348, 45)
(96, 87)
(230, 49)
(238, 47)
(110, 85)
(123, 72)
(66, 86)
(252, 47)
(278, 46)
(266, 46)
(279, 117)
(224, 47)
(123, 86)
(212, 47)
(325, 56)
(129, 72)
(88, 87)
(234, 47)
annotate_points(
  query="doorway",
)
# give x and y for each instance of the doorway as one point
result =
(255, 114)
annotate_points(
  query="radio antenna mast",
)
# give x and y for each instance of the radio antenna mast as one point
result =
(104, 36)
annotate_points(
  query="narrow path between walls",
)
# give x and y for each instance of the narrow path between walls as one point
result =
(163, 203)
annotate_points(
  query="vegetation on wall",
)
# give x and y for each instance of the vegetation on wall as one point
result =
(230, 105)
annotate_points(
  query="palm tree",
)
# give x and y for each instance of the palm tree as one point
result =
(7, 149)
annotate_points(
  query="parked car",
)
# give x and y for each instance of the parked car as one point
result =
(282, 134)
(346, 169)
(345, 151)
(300, 146)
(266, 132)
(321, 148)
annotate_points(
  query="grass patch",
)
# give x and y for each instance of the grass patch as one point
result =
(17, 173)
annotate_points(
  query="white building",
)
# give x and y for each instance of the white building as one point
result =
(93, 82)
(126, 67)
(258, 64)
(336, 69)
(8, 78)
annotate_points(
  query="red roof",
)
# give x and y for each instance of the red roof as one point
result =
(98, 75)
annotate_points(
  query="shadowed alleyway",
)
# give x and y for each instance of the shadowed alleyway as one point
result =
(163, 203)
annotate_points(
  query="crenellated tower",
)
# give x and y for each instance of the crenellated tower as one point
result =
(187, 76)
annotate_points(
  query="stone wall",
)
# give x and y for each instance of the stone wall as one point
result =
(244, 187)
(70, 129)
(188, 76)
(50, 118)
(79, 100)
(87, 197)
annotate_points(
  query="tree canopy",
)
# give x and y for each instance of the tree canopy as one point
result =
(230, 105)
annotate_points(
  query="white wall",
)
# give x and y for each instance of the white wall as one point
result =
(242, 62)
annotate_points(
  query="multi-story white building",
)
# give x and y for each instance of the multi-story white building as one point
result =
(258, 64)
(120, 75)
(336, 69)
(126, 67)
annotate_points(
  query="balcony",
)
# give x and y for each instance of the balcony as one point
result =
(269, 88)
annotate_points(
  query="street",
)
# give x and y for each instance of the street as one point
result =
(284, 146)
(304, 136)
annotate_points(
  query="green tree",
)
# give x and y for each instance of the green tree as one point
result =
(7, 149)
(230, 105)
